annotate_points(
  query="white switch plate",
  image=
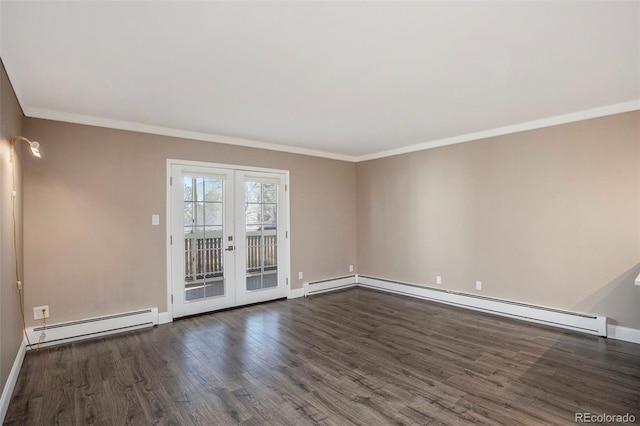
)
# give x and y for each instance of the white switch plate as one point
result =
(438, 279)
(478, 285)
(350, 268)
(155, 219)
(300, 275)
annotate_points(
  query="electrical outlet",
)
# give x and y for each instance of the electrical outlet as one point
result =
(478, 285)
(38, 312)
(438, 279)
(350, 268)
(300, 275)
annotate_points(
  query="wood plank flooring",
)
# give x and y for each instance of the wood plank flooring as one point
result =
(350, 357)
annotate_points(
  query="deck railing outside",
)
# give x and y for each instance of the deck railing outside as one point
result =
(204, 254)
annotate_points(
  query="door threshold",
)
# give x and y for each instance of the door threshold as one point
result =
(231, 308)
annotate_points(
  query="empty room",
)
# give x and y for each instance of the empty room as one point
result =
(291, 213)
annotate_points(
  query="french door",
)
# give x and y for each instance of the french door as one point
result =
(228, 243)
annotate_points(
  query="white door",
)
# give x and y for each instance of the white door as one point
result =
(260, 214)
(228, 238)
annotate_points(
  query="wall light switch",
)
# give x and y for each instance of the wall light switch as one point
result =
(300, 275)
(478, 285)
(350, 268)
(155, 219)
(438, 279)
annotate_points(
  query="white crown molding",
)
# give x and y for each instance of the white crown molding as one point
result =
(207, 137)
(522, 127)
(48, 114)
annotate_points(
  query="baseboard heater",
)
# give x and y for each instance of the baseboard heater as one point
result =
(316, 287)
(93, 327)
(585, 323)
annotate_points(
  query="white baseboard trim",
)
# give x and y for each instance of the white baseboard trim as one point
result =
(317, 287)
(584, 323)
(164, 318)
(7, 391)
(294, 293)
(624, 333)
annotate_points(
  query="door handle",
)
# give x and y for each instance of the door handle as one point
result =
(230, 248)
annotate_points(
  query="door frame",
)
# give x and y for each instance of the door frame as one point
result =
(286, 253)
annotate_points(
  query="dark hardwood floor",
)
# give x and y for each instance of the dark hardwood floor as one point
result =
(350, 357)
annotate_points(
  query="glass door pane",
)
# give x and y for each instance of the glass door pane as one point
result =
(203, 235)
(261, 230)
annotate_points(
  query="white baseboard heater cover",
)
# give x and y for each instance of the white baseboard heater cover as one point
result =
(94, 327)
(316, 287)
(585, 323)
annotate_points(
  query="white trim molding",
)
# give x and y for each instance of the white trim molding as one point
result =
(10, 384)
(164, 318)
(294, 293)
(516, 128)
(108, 123)
(624, 333)
(603, 111)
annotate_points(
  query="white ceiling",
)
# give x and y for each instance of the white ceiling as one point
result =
(349, 80)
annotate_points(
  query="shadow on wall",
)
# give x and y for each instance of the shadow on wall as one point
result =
(620, 298)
